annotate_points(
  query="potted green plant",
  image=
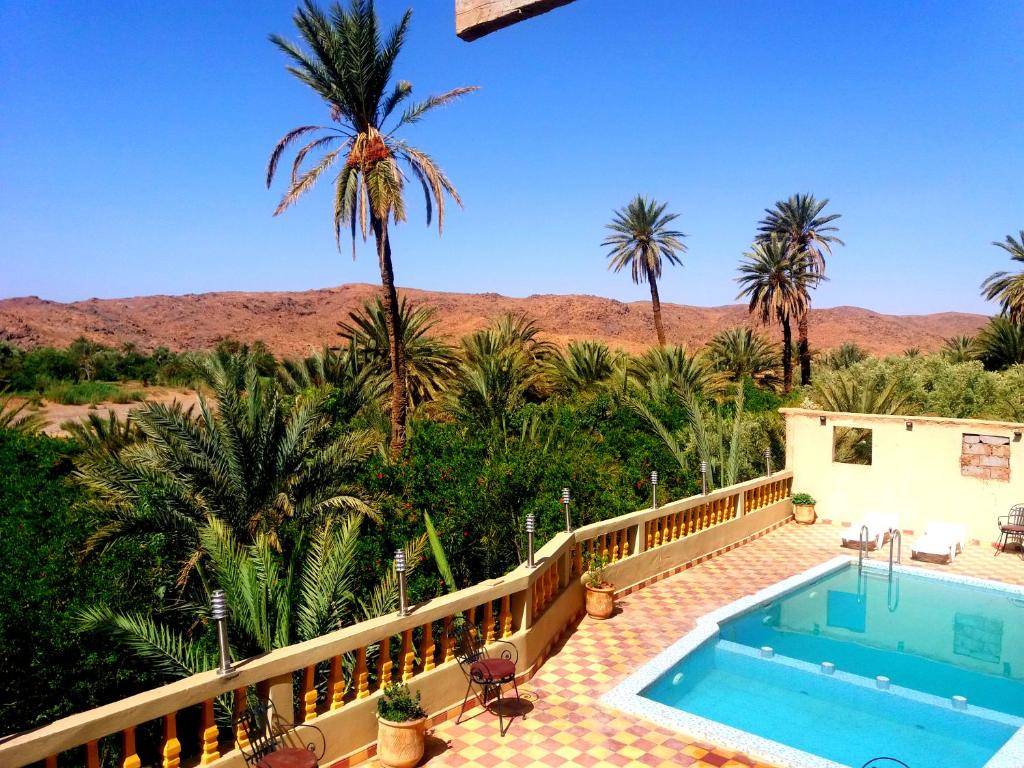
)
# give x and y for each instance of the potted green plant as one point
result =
(401, 727)
(803, 508)
(600, 592)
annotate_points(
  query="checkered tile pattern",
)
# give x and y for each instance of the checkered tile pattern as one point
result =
(558, 721)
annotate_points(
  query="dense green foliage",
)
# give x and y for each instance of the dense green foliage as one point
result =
(47, 669)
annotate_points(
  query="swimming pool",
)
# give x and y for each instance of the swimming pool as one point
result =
(751, 676)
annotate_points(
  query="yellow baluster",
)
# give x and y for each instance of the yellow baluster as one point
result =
(131, 756)
(385, 666)
(361, 675)
(427, 647)
(578, 560)
(172, 747)
(336, 683)
(675, 527)
(447, 642)
(407, 655)
(238, 705)
(210, 735)
(489, 622)
(505, 615)
(92, 755)
(471, 618)
(649, 534)
(309, 694)
(657, 532)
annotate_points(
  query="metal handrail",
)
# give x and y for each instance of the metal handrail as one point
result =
(863, 538)
(895, 535)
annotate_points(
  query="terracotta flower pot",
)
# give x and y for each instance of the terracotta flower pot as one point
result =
(400, 745)
(804, 513)
(600, 601)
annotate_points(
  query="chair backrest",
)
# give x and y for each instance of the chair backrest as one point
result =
(467, 642)
(1017, 514)
(256, 721)
(948, 531)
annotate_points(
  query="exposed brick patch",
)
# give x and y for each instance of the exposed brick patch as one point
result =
(986, 457)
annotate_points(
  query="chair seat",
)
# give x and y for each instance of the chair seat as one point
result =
(1012, 528)
(493, 670)
(288, 757)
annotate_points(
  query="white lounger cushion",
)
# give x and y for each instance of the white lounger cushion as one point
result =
(941, 539)
(878, 523)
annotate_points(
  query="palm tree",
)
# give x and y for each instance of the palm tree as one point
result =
(1005, 287)
(253, 460)
(640, 239)
(430, 362)
(15, 418)
(1001, 344)
(354, 383)
(775, 277)
(845, 355)
(800, 220)
(584, 366)
(742, 353)
(960, 349)
(661, 371)
(349, 65)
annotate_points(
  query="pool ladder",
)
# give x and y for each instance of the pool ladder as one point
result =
(895, 542)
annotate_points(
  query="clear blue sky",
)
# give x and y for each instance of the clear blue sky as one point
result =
(134, 137)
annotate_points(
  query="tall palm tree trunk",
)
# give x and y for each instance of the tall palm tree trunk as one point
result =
(804, 348)
(399, 395)
(656, 304)
(787, 355)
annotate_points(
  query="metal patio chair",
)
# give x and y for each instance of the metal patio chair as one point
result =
(273, 743)
(1011, 527)
(488, 671)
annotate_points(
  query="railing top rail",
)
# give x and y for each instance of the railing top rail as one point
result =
(643, 515)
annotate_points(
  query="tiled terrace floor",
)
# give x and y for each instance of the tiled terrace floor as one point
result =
(565, 726)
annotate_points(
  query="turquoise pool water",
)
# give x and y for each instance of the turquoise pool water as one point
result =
(930, 636)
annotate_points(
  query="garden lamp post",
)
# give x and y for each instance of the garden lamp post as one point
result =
(403, 608)
(704, 477)
(654, 489)
(565, 503)
(768, 460)
(530, 527)
(219, 605)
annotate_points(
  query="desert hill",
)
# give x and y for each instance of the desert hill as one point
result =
(293, 323)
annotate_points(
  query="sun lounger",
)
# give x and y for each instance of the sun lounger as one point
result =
(879, 524)
(941, 543)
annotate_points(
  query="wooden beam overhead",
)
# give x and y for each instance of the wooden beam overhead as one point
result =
(476, 18)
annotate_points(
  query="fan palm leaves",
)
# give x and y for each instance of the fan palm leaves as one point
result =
(275, 598)
(775, 278)
(349, 63)
(845, 392)
(353, 383)
(15, 418)
(742, 353)
(640, 239)
(710, 432)
(665, 370)
(250, 459)
(801, 220)
(1001, 344)
(960, 349)
(584, 366)
(1008, 287)
(430, 362)
(845, 355)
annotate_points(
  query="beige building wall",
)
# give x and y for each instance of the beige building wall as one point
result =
(916, 473)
